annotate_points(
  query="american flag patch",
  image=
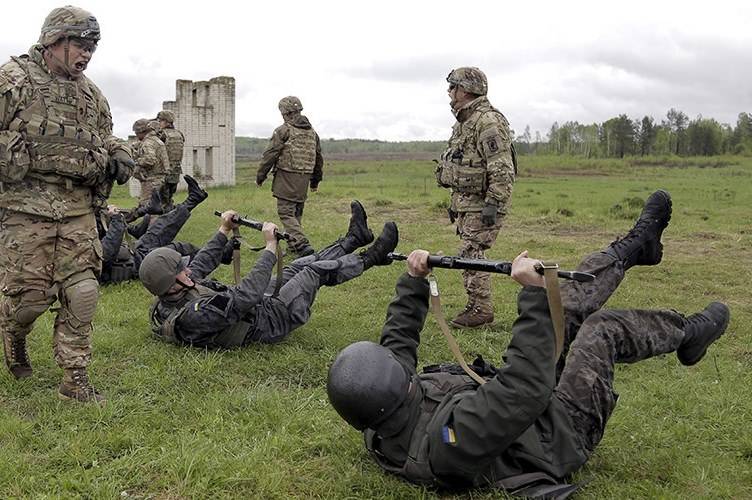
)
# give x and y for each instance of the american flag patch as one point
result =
(447, 434)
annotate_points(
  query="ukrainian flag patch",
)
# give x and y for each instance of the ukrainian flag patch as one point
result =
(447, 434)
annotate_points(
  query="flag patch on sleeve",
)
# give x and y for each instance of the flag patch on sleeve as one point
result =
(447, 434)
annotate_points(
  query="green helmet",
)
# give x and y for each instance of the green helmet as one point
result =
(142, 126)
(470, 79)
(167, 116)
(159, 269)
(68, 21)
(290, 104)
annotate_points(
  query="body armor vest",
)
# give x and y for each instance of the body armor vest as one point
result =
(174, 141)
(123, 268)
(61, 129)
(299, 153)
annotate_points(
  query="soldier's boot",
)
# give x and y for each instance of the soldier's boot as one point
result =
(152, 207)
(376, 254)
(358, 234)
(76, 387)
(195, 194)
(474, 316)
(642, 245)
(305, 250)
(16, 357)
(700, 330)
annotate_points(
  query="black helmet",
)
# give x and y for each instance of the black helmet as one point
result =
(366, 384)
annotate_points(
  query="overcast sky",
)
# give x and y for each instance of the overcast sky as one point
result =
(377, 69)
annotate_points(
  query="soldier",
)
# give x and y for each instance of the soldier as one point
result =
(524, 425)
(192, 310)
(58, 160)
(174, 141)
(152, 162)
(478, 167)
(120, 262)
(294, 157)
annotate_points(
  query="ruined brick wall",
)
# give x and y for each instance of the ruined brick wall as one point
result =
(205, 113)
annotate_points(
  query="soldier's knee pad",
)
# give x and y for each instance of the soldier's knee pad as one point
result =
(28, 306)
(81, 301)
(327, 270)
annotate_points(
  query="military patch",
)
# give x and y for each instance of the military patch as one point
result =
(447, 435)
(492, 145)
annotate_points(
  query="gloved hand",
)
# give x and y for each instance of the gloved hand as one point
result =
(260, 180)
(488, 215)
(121, 166)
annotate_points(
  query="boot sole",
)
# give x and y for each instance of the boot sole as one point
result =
(65, 397)
(698, 358)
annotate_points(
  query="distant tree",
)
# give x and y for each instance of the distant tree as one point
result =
(677, 123)
(704, 137)
(617, 136)
(646, 135)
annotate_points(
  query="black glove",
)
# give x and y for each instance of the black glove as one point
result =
(488, 215)
(260, 179)
(121, 166)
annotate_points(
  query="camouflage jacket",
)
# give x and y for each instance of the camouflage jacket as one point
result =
(55, 140)
(151, 158)
(479, 164)
(174, 141)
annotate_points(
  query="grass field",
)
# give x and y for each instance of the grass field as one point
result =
(255, 423)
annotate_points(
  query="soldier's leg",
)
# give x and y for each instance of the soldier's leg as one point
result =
(139, 229)
(161, 232)
(299, 206)
(184, 248)
(286, 212)
(606, 338)
(476, 238)
(26, 246)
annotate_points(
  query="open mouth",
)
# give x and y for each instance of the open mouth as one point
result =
(80, 66)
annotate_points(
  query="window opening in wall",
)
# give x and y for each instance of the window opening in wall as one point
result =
(209, 163)
(196, 168)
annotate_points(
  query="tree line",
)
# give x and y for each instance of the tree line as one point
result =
(621, 136)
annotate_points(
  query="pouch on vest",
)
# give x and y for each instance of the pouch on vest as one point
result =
(443, 173)
(14, 159)
(479, 366)
(467, 179)
(233, 336)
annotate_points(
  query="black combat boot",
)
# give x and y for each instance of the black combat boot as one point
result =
(305, 251)
(16, 358)
(642, 245)
(152, 207)
(358, 235)
(76, 387)
(195, 194)
(376, 254)
(700, 330)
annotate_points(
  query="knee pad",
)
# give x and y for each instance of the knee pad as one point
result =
(28, 306)
(81, 301)
(327, 270)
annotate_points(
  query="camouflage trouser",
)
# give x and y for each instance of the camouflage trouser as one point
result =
(300, 284)
(168, 190)
(42, 261)
(597, 339)
(290, 213)
(476, 238)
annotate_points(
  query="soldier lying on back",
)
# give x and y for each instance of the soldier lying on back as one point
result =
(443, 429)
(194, 310)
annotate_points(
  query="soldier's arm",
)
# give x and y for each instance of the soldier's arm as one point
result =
(209, 257)
(272, 152)
(149, 157)
(250, 290)
(11, 94)
(495, 146)
(113, 238)
(104, 122)
(318, 167)
(405, 317)
(485, 423)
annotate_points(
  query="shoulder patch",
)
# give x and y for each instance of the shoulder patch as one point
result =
(219, 301)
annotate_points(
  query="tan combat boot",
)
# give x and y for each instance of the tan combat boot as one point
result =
(473, 316)
(76, 386)
(16, 358)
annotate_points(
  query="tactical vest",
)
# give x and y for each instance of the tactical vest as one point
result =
(153, 144)
(299, 152)
(123, 268)
(61, 127)
(164, 314)
(442, 390)
(174, 141)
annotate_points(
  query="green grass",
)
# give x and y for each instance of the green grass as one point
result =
(182, 423)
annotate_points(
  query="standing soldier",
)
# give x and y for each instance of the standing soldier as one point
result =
(294, 157)
(58, 160)
(152, 162)
(478, 166)
(174, 141)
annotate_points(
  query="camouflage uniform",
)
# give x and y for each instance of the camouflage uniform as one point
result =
(174, 141)
(152, 162)
(478, 167)
(56, 149)
(294, 157)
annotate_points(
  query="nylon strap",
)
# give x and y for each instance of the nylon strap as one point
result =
(553, 293)
(236, 257)
(453, 346)
(278, 284)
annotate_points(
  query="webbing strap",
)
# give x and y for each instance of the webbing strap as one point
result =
(553, 293)
(453, 346)
(236, 256)
(278, 284)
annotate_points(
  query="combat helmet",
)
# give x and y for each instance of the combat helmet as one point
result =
(166, 115)
(366, 384)
(470, 79)
(142, 126)
(290, 104)
(159, 269)
(69, 21)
